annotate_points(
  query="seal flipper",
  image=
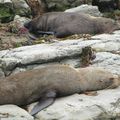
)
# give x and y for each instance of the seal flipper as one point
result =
(46, 32)
(44, 102)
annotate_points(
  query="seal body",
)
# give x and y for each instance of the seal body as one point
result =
(63, 24)
(27, 87)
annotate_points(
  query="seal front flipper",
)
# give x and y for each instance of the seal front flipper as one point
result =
(46, 32)
(44, 102)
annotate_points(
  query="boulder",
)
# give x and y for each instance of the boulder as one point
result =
(57, 5)
(21, 8)
(87, 9)
(10, 8)
(64, 52)
(104, 106)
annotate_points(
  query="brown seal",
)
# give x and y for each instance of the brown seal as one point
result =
(63, 24)
(49, 82)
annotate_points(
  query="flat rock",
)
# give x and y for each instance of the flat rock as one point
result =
(42, 53)
(64, 52)
(12, 112)
(104, 106)
(87, 9)
(107, 61)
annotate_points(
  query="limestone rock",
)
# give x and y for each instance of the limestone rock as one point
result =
(57, 5)
(104, 106)
(21, 7)
(108, 61)
(44, 53)
(65, 52)
(12, 112)
(88, 9)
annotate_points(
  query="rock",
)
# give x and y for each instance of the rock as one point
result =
(21, 8)
(12, 112)
(87, 9)
(44, 53)
(104, 106)
(64, 52)
(57, 5)
(20, 20)
(7, 65)
(8, 9)
(107, 61)
(109, 42)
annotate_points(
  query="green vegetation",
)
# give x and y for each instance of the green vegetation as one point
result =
(6, 13)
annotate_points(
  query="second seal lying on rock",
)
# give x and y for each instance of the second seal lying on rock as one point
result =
(63, 24)
(52, 81)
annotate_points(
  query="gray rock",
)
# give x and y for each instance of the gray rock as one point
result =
(108, 61)
(57, 5)
(7, 65)
(87, 9)
(44, 53)
(21, 7)
(64, 52)
(12, 112)
(20, 21)
(5, 1)
(104, 106)
(8, 9)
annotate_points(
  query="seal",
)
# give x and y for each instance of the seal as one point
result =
(49, 82)
(63, 24)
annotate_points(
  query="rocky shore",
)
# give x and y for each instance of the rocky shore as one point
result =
(103, 106)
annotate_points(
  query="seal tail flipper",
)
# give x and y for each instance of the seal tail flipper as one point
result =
(44, 102)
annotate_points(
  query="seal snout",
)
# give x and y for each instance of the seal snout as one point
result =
(114, 82)
(27, 24)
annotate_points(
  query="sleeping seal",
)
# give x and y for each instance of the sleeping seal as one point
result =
(49, 82)
(63, 24)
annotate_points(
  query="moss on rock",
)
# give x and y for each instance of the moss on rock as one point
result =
(6, 13)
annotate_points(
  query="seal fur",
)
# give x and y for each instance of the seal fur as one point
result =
(63, 24)
(49, 82)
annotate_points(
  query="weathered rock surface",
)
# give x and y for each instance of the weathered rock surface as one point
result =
(57, 5)
(88, 9)
(12, 112)
(43, 53)
(107, 47)
(104, 106)
(21, 7)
